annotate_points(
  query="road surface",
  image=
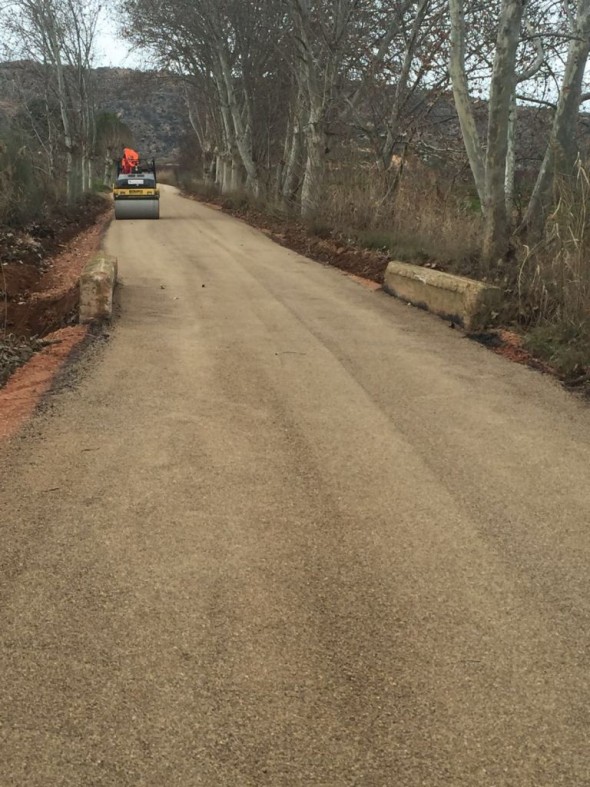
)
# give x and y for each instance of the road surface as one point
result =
(284, 530)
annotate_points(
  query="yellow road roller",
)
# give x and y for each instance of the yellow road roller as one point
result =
(135, 191)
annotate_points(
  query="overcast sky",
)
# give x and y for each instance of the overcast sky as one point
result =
(113, 51)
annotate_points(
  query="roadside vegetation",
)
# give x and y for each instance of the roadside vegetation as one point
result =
(56, 154)
(444, 132)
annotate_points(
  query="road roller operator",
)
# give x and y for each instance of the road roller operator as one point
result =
(136, 192)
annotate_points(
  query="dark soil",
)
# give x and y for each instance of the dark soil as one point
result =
(509, 345)
(33, 381)
(25, 251)
(15, 352)
(333, 251)
(40, 266)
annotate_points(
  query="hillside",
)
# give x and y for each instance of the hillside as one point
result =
(150, 103)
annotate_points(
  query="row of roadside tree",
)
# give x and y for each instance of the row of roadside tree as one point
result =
(275, 87)
(54, 145)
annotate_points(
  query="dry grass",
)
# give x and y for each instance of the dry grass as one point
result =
(168, 175)
(553, 282)
(448, 227)
(418, 220)
(435, 218)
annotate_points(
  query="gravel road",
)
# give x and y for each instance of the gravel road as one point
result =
(288, 531)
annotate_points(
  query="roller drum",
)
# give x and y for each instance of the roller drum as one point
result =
(137, 209)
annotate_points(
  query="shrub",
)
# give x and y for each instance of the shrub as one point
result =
(23, 190)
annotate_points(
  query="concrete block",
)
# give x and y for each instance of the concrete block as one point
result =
(466, 302)
(97, 284)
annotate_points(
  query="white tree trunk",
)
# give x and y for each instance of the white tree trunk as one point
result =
(226, 179)
(510, 173)
(497, 227)
(243, 130)
(462, 100)
(510, 177)
(235, 175)
(219, 172)
(313, 179)
(106, 179)
(84, 173)
(67, 134)
(290, 175)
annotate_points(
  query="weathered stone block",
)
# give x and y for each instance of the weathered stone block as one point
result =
(97, 284)
(466, 302)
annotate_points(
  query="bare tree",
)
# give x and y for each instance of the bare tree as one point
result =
(111, 135)
(561, 149)
(272, 83)
(322, 30)
(79, 34)
(59, 35)
(489, 167)
(228, 49)
(400, 80)
(493, 167)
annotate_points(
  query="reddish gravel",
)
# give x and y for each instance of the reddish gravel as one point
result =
(513, 349)
(24, 390)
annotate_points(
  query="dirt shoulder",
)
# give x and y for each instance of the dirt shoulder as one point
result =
(32, 381)
(39, 279)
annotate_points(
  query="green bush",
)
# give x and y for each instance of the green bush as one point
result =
(23, 191)
(564, 345)
(376, 240)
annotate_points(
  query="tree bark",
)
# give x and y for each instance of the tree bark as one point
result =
(313, 179)
(510, 172)
(290, 176)
(460, 87)
(219, 172)
(235, 175)
(497, 226)
(243, 131)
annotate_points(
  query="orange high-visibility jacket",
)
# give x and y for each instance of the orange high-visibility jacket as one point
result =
(130, 160)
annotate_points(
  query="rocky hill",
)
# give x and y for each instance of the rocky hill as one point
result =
(150, 103)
